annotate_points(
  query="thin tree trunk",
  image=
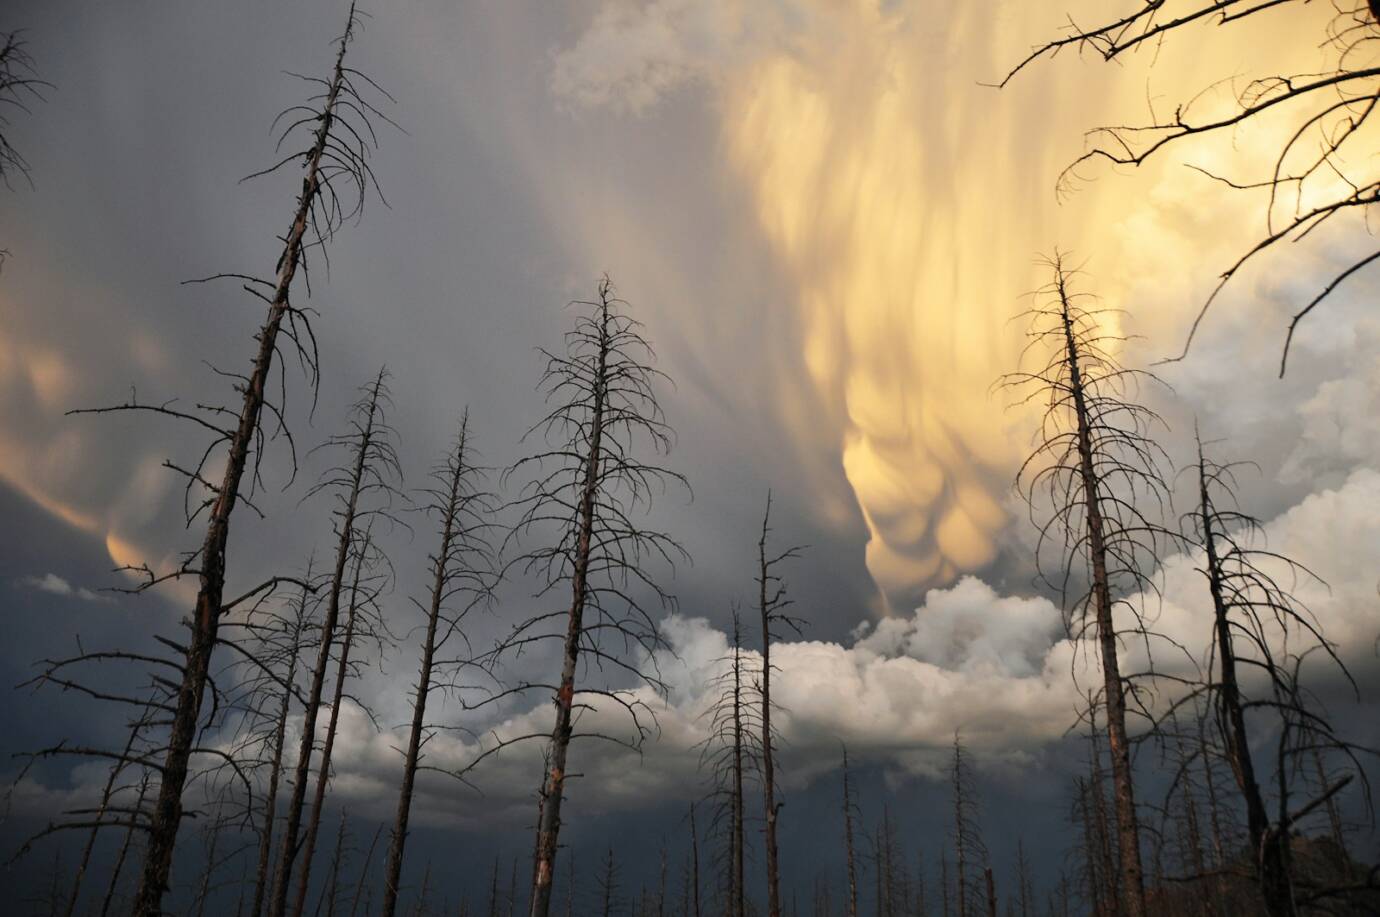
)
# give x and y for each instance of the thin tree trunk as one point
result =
(739, 888)
(276, 768)
(293, 821)
(848, 838)
(106, 792)
(328, 894)
(1128, 832)
(393, 874)
(364, 873)
(695, 860)
(328, 745)
(124, 852)
(768, 755)
(204, 891)
(549, 824)
(1274, 878)
(991, 891)
(205, 623)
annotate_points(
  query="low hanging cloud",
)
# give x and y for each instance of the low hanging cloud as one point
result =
(969, 659)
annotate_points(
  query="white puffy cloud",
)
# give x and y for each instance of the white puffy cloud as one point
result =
(53, 584)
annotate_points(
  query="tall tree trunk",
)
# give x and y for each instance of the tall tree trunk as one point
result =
(739, 888)
(694, 860)
(119, 866)
(205, 624)
(323, 775)
(848, 838)
(364, 872)
(276, 765)
(770, 805)
(440, 577)
(106, 793)
(549, 824)
(293, 820)
(1274, 877)
(1128, 831)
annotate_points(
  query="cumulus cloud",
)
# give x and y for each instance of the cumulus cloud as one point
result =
(997, 668)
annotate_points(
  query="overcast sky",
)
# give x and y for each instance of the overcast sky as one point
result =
(827, 224)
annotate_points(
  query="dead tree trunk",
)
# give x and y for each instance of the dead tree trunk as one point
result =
(119, 866)
(771, 604)
(278, 740)
(456, 571)
(369, 449)
(328, 156)
(605, 405)
(1095, 462)
(106, 793)
(1114, 696)
(848, 808)
(323, 774)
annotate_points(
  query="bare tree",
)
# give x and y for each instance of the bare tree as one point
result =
(1320, 171)
(336, 175)
(1093, 467)
(363, 621)
(730, 749)
(850, 808)
(460, 582)
(19, 86)
(772, 603)
(288, 638)
(362, 488)
(1259, 627)
(970, 853)
(589, 484)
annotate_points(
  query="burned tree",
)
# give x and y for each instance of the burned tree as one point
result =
(588, 486)
(336, 176)
(1093, 467)
(1321, 171)
(1261, 634)
(772, 605)
(730, 749)
(363, 622)
(363, 486)
(970, 853)
(19, 86)
(460, 582)
(285, 638)
(850, 809)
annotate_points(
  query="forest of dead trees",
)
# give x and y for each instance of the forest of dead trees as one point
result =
(1213, 776)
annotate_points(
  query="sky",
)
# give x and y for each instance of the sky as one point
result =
(829, 223)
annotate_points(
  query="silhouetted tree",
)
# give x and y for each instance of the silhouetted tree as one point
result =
(1093, 466)
(1320, 169)
(772, 602)
(588, 486)
(460, 582)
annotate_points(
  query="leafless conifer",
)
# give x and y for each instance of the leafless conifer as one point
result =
(586, 489)
(1094, 466)
(460, 582)
(1326, 139)
(772, 605)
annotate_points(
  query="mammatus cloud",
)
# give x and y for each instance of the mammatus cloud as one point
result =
(907, 204)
